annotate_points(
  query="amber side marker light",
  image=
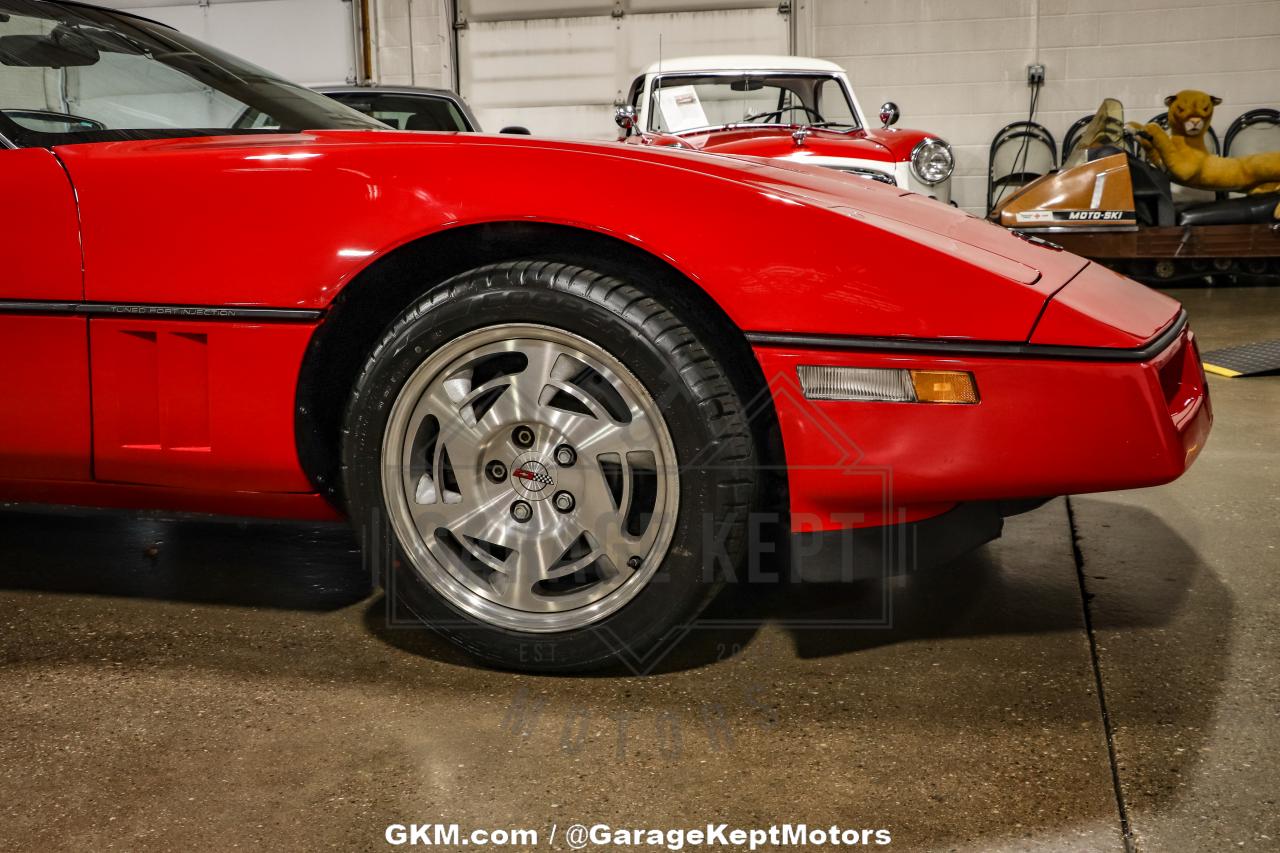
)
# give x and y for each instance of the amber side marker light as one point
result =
(892, 385)
(944, 386)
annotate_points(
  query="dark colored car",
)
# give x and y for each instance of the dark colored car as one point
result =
(407, 108)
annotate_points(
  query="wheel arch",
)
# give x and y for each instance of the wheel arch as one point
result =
(367, 305)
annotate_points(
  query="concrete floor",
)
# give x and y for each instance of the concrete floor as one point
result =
(221, 686)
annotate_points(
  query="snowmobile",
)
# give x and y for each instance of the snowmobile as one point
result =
(1109, 204)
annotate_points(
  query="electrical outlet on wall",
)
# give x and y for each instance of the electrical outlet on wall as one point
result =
(1035, 74)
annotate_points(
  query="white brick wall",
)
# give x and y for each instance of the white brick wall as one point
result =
(411, 43)
(957, 67)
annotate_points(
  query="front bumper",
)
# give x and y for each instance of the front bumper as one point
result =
(1044, 426)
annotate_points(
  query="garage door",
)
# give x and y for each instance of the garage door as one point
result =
(309, 41)
(559, 66)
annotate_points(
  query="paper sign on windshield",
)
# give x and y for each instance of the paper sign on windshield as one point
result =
(681, 108)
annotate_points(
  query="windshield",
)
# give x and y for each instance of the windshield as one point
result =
(407, 111)
(81, 74)
(682, 102)
(1106, 130)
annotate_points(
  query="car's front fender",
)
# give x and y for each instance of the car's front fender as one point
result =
(288, 221)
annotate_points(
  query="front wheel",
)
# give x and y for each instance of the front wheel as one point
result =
(562, 465)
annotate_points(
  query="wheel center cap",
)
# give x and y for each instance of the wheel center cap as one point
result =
(531, 478)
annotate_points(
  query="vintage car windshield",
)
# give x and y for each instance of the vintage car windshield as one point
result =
(683, 102)
(1105, 130)
(81, 74)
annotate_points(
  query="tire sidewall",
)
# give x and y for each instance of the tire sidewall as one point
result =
(693, 565)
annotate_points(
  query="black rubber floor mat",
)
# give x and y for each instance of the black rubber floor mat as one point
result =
(1259, 359)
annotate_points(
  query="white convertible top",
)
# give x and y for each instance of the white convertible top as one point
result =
(743, 62)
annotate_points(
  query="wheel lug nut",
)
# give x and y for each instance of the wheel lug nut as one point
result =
(566, 456)
(521, 511)
(522, 436)
(563, 501)
(496, 471)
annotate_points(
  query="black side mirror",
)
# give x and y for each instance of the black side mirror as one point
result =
(515, 128)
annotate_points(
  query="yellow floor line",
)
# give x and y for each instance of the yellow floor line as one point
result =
(1221, 371)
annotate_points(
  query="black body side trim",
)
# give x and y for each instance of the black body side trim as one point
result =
(166, 312)
(983, 348)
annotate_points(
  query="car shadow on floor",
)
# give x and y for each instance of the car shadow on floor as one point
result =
(1008, 587)
(1004, 588)
(236, 563)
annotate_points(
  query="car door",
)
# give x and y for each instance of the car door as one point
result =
(44, 361)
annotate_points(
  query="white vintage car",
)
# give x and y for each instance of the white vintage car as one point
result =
(785, 107)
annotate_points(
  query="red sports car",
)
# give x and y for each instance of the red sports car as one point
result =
(559, 398)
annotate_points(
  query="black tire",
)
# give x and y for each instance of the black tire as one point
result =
(705, 418)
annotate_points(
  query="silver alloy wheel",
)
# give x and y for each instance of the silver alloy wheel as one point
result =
(469, 533)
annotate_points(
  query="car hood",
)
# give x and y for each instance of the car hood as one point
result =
(890, 145)
(922, 220)
(1085, 304)
(913, 216)
(1101, 308)
(778, 142)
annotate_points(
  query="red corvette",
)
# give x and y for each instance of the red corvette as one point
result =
(558, 395)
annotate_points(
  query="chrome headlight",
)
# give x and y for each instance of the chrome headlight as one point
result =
(932, 161)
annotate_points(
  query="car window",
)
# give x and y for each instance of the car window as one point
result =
(407, 111)
(637, 92)
(80, 74)
(833, 102)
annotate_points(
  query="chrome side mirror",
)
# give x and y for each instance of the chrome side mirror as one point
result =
(889, 113)
(625, 117)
